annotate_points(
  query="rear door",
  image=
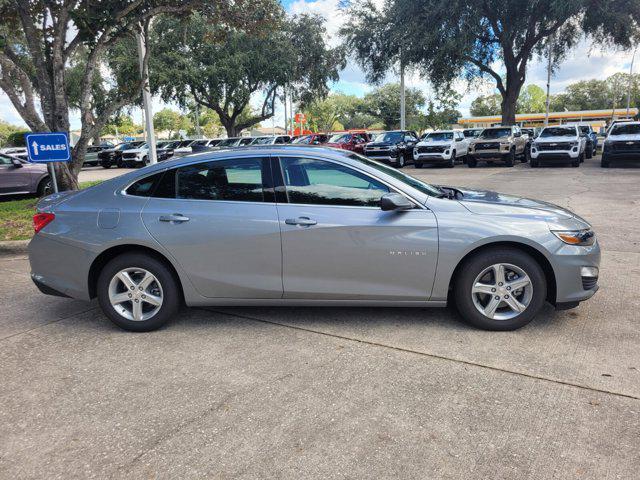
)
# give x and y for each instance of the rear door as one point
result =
(218, 219)
(338, 244)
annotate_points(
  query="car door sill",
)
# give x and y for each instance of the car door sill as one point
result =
(303, 302)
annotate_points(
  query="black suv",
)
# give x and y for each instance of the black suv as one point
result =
(394, 147)
(113, 156)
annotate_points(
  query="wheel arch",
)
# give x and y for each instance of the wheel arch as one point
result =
(537, 255)
(112, 252)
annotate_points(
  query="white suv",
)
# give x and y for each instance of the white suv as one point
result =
(560, 143)
(441, 146)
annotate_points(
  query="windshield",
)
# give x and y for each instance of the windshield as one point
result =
(125, 146)
(340, 138)
(304, 140)
(495, 133)
(262, 141)
(425, 188)
(471, 133)
(390, 137)
(633, 129)
(438, 137)
(228, 142)
(585, 130)
(558, 132)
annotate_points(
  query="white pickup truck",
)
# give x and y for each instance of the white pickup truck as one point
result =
(441, 147)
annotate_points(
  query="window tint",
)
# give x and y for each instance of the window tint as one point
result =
(238, 179)
(318, 182)
(145, 186)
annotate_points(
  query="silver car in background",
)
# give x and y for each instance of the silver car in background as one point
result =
(19, 177)
(306, 226)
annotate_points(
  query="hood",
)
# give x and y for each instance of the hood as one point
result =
(556, 139)
(382, 144)
(624, 138)
(136, 150)
(437, 143)
(485, 202)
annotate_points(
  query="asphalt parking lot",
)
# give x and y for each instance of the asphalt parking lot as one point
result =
(337, 393)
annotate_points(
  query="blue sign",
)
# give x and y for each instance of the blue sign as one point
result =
(129, 139)
(48, 147)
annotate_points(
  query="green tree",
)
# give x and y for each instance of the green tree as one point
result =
(486, 105)
(41, 41)
(171, 121)
(383, 103)
(7, 133)
(222, 68)
(447, 39)
(338, 111)
(121, 125)
(532, 99)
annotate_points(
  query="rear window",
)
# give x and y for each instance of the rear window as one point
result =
(145, 186)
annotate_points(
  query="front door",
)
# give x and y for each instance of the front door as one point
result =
(338, 244)
(219, 221)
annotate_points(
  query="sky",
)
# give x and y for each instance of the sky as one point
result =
(584, 62)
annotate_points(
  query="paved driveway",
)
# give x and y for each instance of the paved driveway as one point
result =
(337, 393)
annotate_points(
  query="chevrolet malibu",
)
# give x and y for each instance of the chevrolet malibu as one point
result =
(306, 226)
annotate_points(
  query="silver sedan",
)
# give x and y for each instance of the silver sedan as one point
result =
(306, 226)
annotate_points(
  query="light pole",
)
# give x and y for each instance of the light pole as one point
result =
(402, 95)
(548, 101)
(146, 94)
(630, 81)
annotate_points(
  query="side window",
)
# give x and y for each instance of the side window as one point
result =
(5, 160)
(239, 179)
(144, 187)
(318, 182)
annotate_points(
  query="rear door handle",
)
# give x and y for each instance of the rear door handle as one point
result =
(174, 217)
(303, 221)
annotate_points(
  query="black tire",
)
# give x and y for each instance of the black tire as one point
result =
(534, 163)
(418, 164)
(106, 165)
(400, 161)
(510, 159)
(526, 155)
(452, 160)
(604, 161)
(590, 152)
(576, 163)
(171, 296)
(473, 266)
(45, 187)
(472, 162)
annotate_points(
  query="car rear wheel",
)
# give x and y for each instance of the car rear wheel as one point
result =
(138, 292)
(500, 289)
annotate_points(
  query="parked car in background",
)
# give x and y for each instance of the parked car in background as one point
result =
(307, 226)
(20, 177)
(471, 133)
(271, 140)
(19, 152)
(441, 147)
(311, 139)
(244, 141)
(592, 139)
(111, 157)
(353, 141)
(139, 156)
(622, 143)
(91, 157)
(183, 148)
(165, 149)
(230, 142)
(561, 143)
(498, 144)
(393, 147)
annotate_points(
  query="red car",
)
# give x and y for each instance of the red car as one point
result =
(354, 141)
(311, 139)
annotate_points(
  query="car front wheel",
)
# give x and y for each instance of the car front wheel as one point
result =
(500, 289)
(138, 292)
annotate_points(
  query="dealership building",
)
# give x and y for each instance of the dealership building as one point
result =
(595, 118)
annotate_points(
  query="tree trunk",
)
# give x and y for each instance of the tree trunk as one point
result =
(509, 105)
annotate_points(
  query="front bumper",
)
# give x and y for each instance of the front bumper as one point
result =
(489, 154)
(387, 157)
(568, 262)
(431, 157)
(554, 154)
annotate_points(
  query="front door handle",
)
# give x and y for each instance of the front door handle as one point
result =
(303, 221)
(174, 218)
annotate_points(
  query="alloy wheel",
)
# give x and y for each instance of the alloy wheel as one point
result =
(135, 294)
(502, 291)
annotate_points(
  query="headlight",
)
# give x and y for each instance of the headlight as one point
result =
(583, 238)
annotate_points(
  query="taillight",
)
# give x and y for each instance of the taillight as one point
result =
(41, 220)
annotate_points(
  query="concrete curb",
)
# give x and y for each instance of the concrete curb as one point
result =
(15, 247)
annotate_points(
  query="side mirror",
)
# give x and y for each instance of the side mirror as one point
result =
(16, 163)
(395, 201)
